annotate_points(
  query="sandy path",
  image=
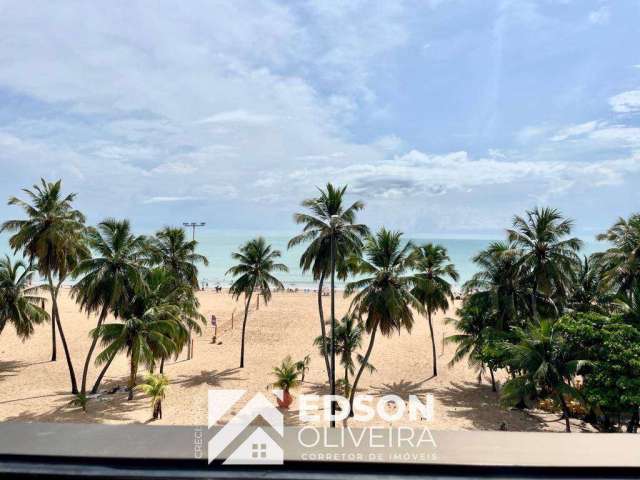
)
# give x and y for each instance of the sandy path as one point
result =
(34, 389)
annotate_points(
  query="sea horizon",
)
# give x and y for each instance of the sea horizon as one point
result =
(218, 244)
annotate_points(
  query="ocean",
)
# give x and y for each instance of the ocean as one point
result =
(217, 246)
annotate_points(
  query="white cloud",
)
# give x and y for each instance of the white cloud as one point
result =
(531, 132)
(600, 16)
(239, 116)
(626, 102)
(417, 174)
(260, 101)
(618, 135)
(178, 168)
(574, 130)
(169, 199)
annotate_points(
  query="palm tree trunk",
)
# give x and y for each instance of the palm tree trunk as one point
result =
(85, 370)
(244, 326)
(365, 362)
(162, 365)
(565, 414)
(54, 350)
(132, 376)
(493, 380)
(96, 385)
(333, 325)
(534, 298)
(54, 300)
(323, 330)
(433, 344)
(346, 380)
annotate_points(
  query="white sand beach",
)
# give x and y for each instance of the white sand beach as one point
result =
(34, 389)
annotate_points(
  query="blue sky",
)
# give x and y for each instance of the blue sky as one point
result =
(444, 116)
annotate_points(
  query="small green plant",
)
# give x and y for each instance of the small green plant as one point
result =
(303, 366)
(80, 400)
(287, 375)
(155, 386)
(286, 378)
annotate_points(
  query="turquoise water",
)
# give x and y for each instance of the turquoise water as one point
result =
(217, 245)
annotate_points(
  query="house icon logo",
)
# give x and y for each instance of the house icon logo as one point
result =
(259, 448)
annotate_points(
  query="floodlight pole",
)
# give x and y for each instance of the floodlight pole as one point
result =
(193, 226)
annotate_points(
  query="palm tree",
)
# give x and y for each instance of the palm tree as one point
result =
(158, 292)
(110, 276)
(303, 366)
(161, 292)
(155, 386)
(500, 278)
(620, 264)
(384, 297)
(254, 271)
(171, 249)
(547, 254)
(546, 365)
(432, 287)
(53, 238)
(628, 304)
(286, 379)
(142, 338)
(349, 336)
(588, 293)
(474, 327)
(328, 219)
(19, 302)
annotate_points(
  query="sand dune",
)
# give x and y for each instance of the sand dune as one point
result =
(34, 389)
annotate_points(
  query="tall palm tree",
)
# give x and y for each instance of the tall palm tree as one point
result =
(547, 254)
(158, 292)
(254, 271)
(319, 230)
(142, 338)
(110, 276)
(171, 249)
(473, 324)
(161, 291)
(500, 278)
(19, 302)
(546, 365)
(588, 292)
(53, 238)
(349, 337)
(620, 264)
(384, 297)
(432, 286)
